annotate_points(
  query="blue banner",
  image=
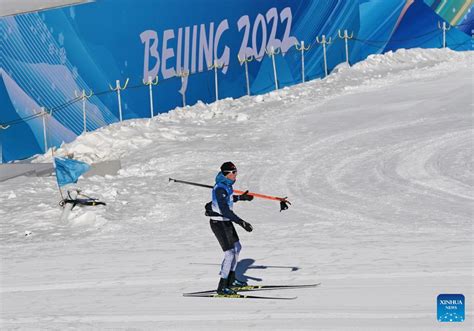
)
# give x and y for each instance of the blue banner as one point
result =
(74, 58)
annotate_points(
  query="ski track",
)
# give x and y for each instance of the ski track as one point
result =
(377, 162)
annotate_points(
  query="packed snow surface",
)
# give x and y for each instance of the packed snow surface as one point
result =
(376, 159)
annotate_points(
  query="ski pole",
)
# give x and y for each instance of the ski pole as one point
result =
(189, 183)
(258, 195)
(283, 201)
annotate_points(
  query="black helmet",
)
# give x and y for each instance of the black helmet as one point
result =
(227, 167)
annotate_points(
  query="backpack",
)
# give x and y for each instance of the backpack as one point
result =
(209, 211)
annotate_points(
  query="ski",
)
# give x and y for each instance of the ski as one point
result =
(249, 288)
(234, 296)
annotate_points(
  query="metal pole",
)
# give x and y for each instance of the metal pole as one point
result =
(274, 67)
(444, 34)
(324, 54)
(445, 27)
(84, 110)
(184, 92)
(247, 77)
(302, 60)
(151, 96)
(215, 80)
(118, 88)
(324, 42)
(45, 141)
(303, 49)
(117, 82)
(346, 41)
(184, 84)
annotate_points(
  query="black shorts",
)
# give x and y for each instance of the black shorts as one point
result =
(225, 233)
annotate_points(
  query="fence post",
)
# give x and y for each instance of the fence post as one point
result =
(346, 38)
(245, 61)
(303, 49)
(2, 127)
(118, 88)
(216, 66)
(272, 54)
(45, 135)
(324, 42)
(445, 28)
(184, 83)
(150, 83)
(83, 97)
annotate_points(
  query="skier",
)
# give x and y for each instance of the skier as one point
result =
(222, 216)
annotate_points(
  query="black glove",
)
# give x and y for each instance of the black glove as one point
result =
(245, 197)
(284, 205)
(247, 226)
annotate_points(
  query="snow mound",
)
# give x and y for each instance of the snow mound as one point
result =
(117, 140)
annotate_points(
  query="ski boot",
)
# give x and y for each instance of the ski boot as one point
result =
(234, 282)
(223, 287)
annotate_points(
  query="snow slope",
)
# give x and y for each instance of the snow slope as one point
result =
(377, 160)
